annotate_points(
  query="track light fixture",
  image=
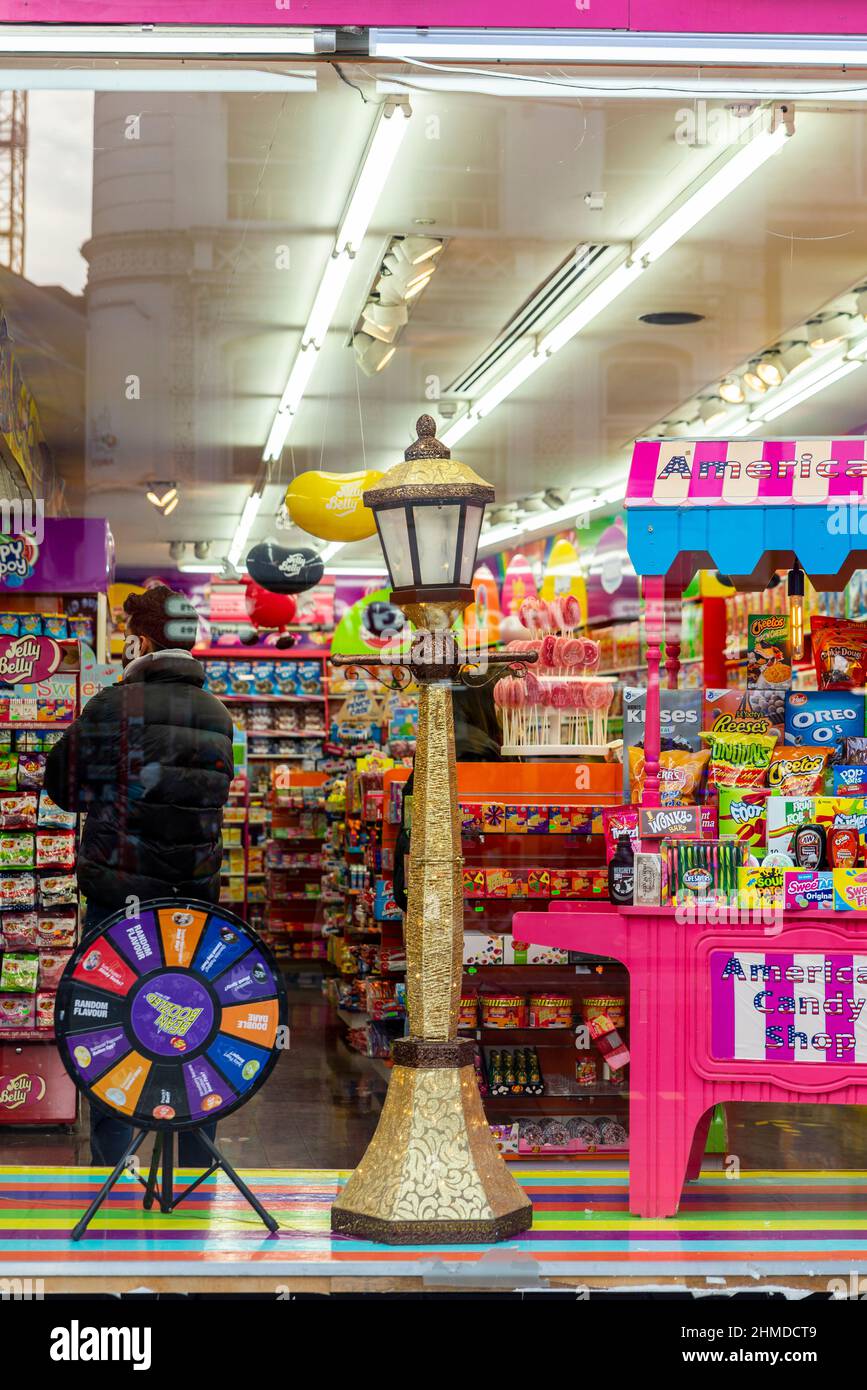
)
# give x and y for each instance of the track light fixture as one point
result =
(163, 496)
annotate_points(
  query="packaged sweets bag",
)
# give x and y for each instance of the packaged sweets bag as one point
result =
(839, 653)
(18, 973)
(798, 771)
(17, 1011)
(21, 929)
(17, 811)
(51, 816)
(51, 967)
(31, 771)
(16, 850)
(821, 718)
(54, 851)
(681, 775)
(854, 751)
(739, 759)
(680, 722)
(17, 891)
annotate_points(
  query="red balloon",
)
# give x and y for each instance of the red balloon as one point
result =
(267, 609)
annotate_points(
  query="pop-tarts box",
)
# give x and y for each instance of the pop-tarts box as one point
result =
(823, 718)
(850, 779)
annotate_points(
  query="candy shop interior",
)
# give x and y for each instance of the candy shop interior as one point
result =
(519, 504)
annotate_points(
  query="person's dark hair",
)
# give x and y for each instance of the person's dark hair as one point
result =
(477, 732)
(166, 617)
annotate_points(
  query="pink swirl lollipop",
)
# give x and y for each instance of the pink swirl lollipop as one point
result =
(598, 694)
(572, 651)
(571, 611)
(533, 687)
(577, 695)
(560, 695)
(534, 614)
(591, 654)
(547, 652)
(519, 694)
(500, 695)
(555, 608)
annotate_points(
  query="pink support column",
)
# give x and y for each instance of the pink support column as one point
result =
(673, 626)
(653, 588)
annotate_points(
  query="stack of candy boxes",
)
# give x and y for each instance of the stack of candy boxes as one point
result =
(38, 895)
(262, 677)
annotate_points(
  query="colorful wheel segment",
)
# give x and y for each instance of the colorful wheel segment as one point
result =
(171, 1018)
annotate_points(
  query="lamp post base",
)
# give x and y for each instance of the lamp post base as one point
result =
(432, 1173)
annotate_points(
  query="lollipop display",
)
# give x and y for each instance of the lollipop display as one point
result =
(562, 704)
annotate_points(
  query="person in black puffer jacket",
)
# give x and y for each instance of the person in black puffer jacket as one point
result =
(150, 762)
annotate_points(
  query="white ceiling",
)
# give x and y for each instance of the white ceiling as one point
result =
(503, 178)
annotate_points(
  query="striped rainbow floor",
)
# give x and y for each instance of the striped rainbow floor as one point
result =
(762, 1224)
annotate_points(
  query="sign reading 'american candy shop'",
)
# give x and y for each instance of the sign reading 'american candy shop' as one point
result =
(737, 471)
(788, 1007)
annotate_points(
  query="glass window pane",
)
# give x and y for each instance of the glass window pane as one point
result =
(467, 559)
(395, 544)
(436, 530)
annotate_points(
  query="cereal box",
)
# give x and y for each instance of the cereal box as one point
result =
(769, 651)
(808, 888)
(823, 717)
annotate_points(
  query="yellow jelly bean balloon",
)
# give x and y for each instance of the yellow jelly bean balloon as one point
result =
(329, 505)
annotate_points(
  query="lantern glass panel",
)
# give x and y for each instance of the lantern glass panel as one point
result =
(394, 536)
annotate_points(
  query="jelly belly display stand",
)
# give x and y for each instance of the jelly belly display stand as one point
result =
(169, 1020)
(736, 999)
(54, 635)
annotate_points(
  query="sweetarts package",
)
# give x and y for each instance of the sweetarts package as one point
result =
(850, 890)
(823, 717)
(808, 890)
(680, 723)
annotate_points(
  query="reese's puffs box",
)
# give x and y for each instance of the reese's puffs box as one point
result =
(744, 711)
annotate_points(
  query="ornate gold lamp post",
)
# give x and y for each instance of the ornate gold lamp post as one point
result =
(432, 1171)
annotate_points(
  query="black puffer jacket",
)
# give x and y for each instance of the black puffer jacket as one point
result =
(150, 761)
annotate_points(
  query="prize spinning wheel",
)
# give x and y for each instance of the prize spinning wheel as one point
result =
(170, 1019)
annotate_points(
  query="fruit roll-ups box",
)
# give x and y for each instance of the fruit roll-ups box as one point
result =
(850, 890)
(808, 890)
(783, 815)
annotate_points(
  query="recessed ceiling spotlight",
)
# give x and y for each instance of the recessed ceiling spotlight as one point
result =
(794, 354)
(202, 550)
(827, 329)
(177, 549)
(712, 410)
(163, 496)
(731, 390)
(371, 354)
(771, 369)
(753, 381)
(670, 318)
(416, 249)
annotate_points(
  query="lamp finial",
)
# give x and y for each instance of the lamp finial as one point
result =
(426, 446)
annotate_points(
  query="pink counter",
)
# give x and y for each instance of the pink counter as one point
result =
(725, 1010)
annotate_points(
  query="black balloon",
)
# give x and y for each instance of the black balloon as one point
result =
(284, 570)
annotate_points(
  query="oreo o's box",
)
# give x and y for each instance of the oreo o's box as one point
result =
(679, 718)
(823, 718)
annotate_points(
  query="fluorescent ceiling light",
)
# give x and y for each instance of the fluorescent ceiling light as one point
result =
(558, 46)
(201, 568)
(154, 79)
(170, 40)
(497, 536)
(244, 527)
(363, 571)
(385, 140)
(700, 198)
(329, 551)
(644, 87)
